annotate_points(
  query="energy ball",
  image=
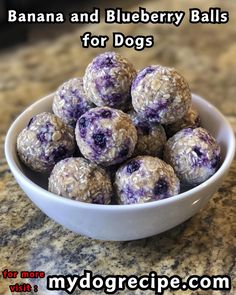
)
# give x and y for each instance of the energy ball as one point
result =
(107, 80)
(80, 180)
(144, 179)
(70, 101)
(105, 136)
(194, 154)
(151, 137)
(190, 120)
(160, 94)
(45, 141)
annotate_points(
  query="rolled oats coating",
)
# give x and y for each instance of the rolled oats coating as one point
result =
(145, 179)
(45, 141)
(80, 180)
(194, 154)
(151, 137)
(106, 136)
(190, 120)
(107, 80)
(70, 101)
(88, 111)
(160, 94)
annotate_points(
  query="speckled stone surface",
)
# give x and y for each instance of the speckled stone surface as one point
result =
(205, 244)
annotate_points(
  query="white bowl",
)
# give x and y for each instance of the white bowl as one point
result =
(121, 222)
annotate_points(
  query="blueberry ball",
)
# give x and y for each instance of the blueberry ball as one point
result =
(151, 137)
(45, 141)
(194, 154)
(70, 101)
(106, 136)
(144, 179)
(107, 80)
(81, 180)
(160, 94)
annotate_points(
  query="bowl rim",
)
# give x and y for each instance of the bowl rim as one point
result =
(19, 175)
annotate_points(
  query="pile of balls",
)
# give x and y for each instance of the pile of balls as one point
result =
(118, 134)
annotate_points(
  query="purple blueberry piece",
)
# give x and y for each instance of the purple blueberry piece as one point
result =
(197, 150)
(162, 105)
(188, 131)
(206, 138)
(202, 158)
(132, 166)
(215, 162)
(141, 75)
(152, 116)
(161, 187)
(43, 131)
(41, 137)
(104, 61)
(153, 112)
(113, 98)
(106, 114)
(99, 140)
(130, 194)
(83, 123)
(104, 82)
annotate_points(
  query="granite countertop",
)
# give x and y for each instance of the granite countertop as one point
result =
(205, 244)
